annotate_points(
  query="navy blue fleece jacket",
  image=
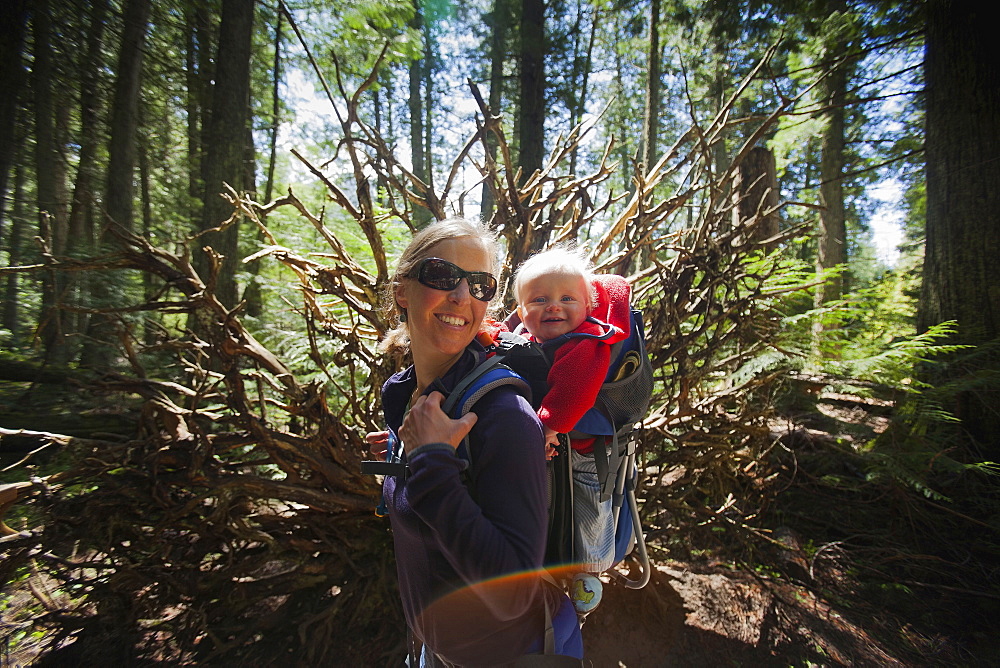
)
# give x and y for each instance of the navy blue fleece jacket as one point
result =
(468, 555)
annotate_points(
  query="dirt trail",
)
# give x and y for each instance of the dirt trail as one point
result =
(722, 618)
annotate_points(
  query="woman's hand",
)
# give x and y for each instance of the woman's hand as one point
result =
(427, 423)
(378, 443)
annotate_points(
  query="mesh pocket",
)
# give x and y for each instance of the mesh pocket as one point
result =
(625, 400)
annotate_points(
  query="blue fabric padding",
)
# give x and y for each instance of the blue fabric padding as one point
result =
(494, 377)
(568, 636)
(596, 423)
(623, 532)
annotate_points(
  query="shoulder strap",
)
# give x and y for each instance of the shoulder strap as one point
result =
(487, 376)
(607, 331)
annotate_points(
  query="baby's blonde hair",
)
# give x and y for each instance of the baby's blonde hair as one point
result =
(565, 260)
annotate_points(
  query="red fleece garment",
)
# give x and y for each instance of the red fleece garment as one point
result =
(580, 365)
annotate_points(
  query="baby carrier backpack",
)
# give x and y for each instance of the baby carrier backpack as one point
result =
(621, 402)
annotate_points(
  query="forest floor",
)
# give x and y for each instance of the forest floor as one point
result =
(698, 616)
(797, 610)
(688, 615)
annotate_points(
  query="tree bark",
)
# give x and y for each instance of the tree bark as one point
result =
(756, 191)
(11, 304)
(275, 110)
(122, 150)
(118, 197)
(430, 67)
(580, 108)
(832, 233)
(651, 120)
(415, 103)
(531, 119)
(80, 237)
(499, 22)
(196, 59)
(960, 280)
(13, 22)
(252, 294)
(47, 169)
(225, 148)
(148, 279)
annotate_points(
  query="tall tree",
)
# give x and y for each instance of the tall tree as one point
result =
(13, 21)
(275, 107)
(11, 296)
(415, 102)
(48, 168)
(225, 147)
(960, 281)
(252, 294)
(197, 76)
(122, 147)
(499, 21)
(651, 116)
(122, 151)
(582, 64)
(756, 193)
(81, 215)
(832, 233)
(531, 119)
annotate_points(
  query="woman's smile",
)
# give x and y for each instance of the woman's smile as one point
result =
(452, 320)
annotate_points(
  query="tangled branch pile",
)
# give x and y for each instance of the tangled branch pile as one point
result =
(235, 524)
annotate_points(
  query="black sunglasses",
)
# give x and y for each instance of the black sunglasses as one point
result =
(443, 275)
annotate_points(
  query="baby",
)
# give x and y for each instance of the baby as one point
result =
(577, 315)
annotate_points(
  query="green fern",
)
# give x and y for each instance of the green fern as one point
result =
(895, 366)
(922, 446)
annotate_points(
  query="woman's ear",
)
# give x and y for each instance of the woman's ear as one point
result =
(402, 303)
(399, 294)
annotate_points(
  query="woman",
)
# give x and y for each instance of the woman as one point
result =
(469, 545)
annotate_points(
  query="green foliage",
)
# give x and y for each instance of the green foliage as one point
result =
(896, 363)
(922, 448)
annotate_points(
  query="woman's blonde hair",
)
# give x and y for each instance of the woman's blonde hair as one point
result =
(397, 339)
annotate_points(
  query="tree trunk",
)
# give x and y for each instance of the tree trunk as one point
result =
(651, 120)
(576, 114)
(832, 234)
(51, 210)
(531, 119)
(148, 279)
(648, 138)
(415, 103)
(118, 194)
(81, 240)
(960, 279)
(225, 148)
(275, 110)
(430, 66)
(11, 305)
(756, 191)
(13, 20)
(252, 294)
(196, 59)
(499, 22)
